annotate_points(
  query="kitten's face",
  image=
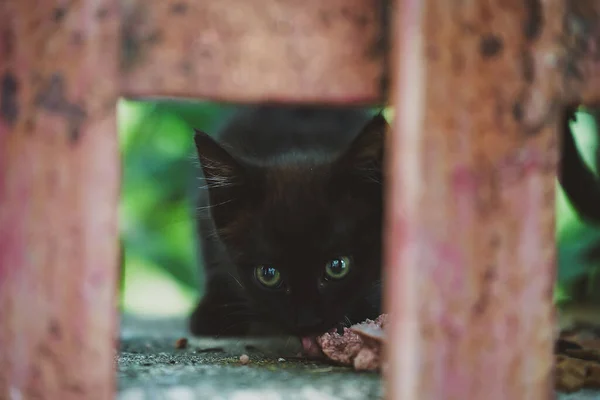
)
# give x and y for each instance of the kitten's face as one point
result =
(305, 252)
(305, 234)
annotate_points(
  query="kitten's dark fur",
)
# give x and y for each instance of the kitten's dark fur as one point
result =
(290, 188)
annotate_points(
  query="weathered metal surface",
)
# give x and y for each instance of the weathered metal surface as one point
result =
(289, 51)
(470, 236)
(582, 43)
(255, 50)
(59, 180)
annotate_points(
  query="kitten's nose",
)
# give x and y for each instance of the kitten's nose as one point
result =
(307, 319)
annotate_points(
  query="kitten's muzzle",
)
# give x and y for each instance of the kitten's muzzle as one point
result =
(309, 321)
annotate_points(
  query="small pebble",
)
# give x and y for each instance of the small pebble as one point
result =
(244, 359)
(281, 359)
(181, 343)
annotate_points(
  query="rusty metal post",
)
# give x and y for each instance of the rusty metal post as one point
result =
(256, 50)
(470, 236)
(59, 183)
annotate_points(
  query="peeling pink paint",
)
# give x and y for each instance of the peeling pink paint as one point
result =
(469, 239)
(321, 56)
(57, 303)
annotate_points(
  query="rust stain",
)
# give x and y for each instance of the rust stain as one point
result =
(52, 98)
(54, 329)
(490, 45)
(528, 67)
(9, 102)
(534, 19)
(517, 111)
(136, 40)
(131, 44)
(537, 102)
(59, 13)
(77, 38)
(179, 8)
(266, 50)
(102, 13)
(7, 42)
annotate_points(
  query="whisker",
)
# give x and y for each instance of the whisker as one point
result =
(232, 304)
(235, 279)
(232, 326)
(347, 321)
(204, 208)
(212, 235)
(239, 313)
(218, 185)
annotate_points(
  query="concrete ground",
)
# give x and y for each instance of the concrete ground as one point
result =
(150, 367)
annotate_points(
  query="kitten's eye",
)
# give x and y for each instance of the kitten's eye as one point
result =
(268, 276)
(337, 268)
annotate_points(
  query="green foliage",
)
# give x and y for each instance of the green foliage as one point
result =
(575, 237)
(157, 205)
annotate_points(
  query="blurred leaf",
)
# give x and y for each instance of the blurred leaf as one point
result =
(159, 187)
(575, 238)
(150, 291)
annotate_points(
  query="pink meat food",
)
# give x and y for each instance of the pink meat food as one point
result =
(359, 346)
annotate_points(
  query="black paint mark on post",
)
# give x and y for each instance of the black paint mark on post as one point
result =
(52, 99)
(9, 104)
(59, 13)
(154, 37)
(131, 42)
(135, 42)
(54, 329)
(179, 8)
(186, 67)
(534, 19)
(517, 111)
(102, 13)
(490, 46)
(528, 66)
(8, 40)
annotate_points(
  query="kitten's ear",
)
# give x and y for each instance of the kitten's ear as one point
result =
(365, 153)
(219, 167)
(224, 178)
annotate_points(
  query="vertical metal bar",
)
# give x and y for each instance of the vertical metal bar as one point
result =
(59, 184)
(470, 238)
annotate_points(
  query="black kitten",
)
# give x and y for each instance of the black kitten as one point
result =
(290, 221)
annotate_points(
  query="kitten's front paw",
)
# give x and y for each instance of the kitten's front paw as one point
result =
(218, 319)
